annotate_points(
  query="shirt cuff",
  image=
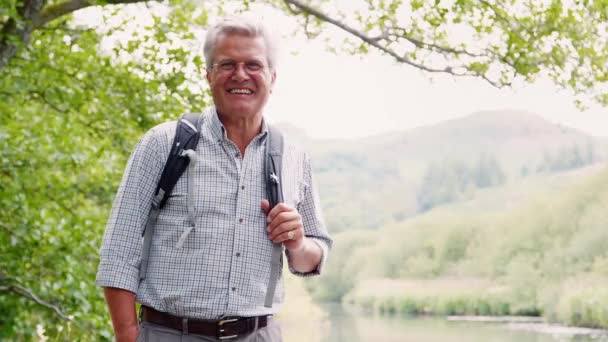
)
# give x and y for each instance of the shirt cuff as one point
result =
(122, 276)
(317, 271)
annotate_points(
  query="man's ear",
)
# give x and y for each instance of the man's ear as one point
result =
(208, 75)
(274, 78)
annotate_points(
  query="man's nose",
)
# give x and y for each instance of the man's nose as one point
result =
(240, 73)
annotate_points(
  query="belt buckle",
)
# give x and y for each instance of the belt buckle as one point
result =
(220, 330)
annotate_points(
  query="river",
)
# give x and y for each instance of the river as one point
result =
(357, 326)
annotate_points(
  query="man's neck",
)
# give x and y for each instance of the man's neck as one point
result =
(241, 130)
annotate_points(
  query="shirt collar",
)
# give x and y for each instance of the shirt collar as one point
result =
(220, 133)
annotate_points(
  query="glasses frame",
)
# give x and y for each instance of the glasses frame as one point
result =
(216, 66)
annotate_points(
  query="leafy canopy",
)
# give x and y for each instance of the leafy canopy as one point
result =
(75, 96)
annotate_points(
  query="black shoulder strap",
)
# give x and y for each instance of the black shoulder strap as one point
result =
(187, 135)
(272, 176)
(273, 164)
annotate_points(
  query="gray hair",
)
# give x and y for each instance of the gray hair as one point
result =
(240, 25)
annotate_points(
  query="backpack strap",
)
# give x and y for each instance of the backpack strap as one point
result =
(187, 134)
(272, 177)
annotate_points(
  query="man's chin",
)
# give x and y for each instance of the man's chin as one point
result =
(238, 111)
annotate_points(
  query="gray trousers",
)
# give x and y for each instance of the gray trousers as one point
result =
(150, 332)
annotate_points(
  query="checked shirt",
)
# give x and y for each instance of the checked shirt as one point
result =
(223, 267)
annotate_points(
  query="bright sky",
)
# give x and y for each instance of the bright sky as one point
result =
(343, 96)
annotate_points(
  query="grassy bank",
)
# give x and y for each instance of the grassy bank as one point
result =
(546, 256)
(580, 302)
(430, 297)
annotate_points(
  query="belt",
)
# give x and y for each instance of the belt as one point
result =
(223, 329)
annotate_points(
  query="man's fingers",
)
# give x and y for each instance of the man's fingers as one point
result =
(279, 208)
(265, 206)
(281, 233)
(281, 218)
(283, 228)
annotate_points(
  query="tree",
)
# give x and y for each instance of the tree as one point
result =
(567, 158)
(443, 182)
(488, 172)
(496, 41)
(70, 112)
(72, 105)
(451, 180)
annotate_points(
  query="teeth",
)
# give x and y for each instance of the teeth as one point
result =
(240, 91)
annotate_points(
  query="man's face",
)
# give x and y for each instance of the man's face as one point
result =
(241, 92)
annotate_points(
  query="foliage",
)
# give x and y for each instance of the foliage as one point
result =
(71, 112)
(499, 42)
(379, 180)
(567, 158)
(546, 257)
(75, 97)
(451, 180)
(339, 280)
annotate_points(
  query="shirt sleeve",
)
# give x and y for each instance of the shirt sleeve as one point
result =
(120, 253)
(312, 219)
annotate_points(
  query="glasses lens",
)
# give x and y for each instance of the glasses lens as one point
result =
(254, 67)
(227, 66)
(251, 67)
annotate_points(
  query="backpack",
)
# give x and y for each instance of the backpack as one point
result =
(181, 156)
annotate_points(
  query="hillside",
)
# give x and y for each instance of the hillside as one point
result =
(367, 183)
(544, 255)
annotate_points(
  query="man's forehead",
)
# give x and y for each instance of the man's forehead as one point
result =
(243, 46)
(242, 37)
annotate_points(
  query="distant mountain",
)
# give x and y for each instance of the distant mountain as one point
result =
(368, 182)
(507, 134)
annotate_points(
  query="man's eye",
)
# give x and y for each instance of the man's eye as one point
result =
(227, 65)
(254, 66)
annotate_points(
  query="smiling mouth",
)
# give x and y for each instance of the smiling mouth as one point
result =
(240, 91)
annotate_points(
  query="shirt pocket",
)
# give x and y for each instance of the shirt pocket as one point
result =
(293, 193)
(173, 221)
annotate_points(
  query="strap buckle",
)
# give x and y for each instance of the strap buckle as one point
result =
(220, 329)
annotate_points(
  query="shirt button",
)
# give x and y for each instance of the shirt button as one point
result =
(233, 289)
(242, 187)
(240, 220)
(238, 254)
(237, 155)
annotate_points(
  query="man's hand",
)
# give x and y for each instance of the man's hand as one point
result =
(121, 304)
(284, 225)
(128, 334)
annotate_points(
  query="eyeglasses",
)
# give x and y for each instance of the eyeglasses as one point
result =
(251, 67)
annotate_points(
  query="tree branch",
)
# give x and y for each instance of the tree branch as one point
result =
(44, 98)
(33, 15)
(19, 29)
(29, 294)
(371, 41)
(55, 11)
(514, 27)
(433, 47)
(375, 43)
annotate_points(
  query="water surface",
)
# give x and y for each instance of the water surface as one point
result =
(357, 326)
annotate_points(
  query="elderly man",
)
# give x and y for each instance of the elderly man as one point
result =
(209, 282)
